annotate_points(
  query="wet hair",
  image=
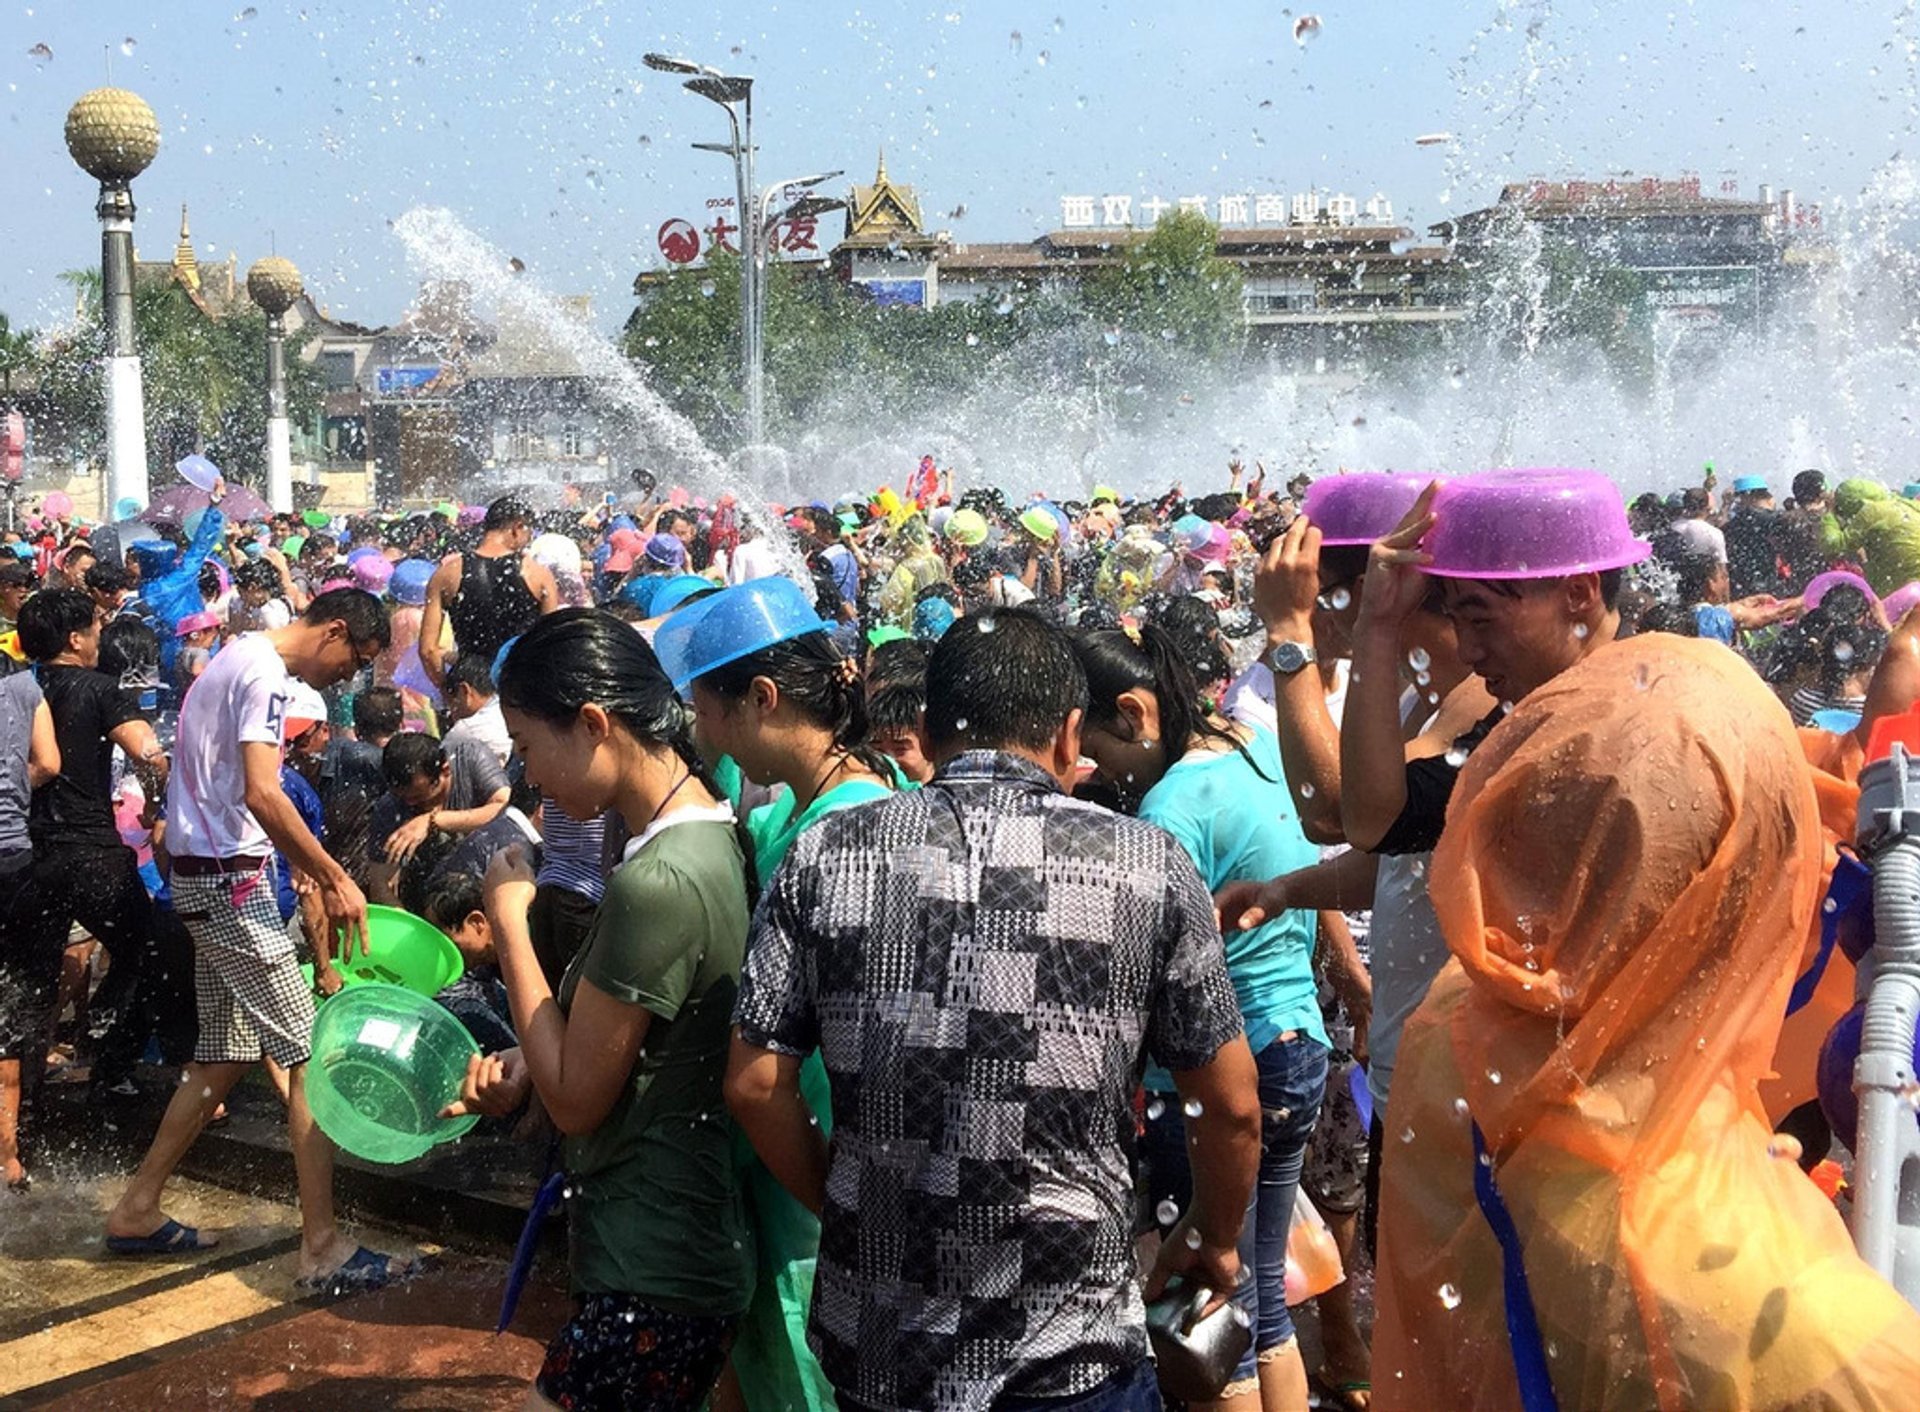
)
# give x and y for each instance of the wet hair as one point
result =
(1611, 582)
(897, 706)
(452, 897)
(1114, 663)
(378, 711)
(1693, 573)
(1005, 679)
(48, 619)
(1833, 642)
(359, 612)
(902, 660)
(1809, 485)
(256, 573)
(130, 648)
(814, 678)
(580, 655)
(14, 574)
(1192, 629)
(472, 671)
(209, 580)
(103, 577)
(506, 512)
(411, 756)
(1694, 502)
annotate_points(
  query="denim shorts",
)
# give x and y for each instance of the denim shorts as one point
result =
(1293, 1081)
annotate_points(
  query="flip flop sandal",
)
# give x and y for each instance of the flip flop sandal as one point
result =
(1344, 1395)
(171, 1239)
(363, 1272)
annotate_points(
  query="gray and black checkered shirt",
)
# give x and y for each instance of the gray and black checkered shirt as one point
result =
(982, 964)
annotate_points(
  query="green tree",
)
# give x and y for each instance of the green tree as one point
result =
(1173, 285)
(18, 355)
(203, 379)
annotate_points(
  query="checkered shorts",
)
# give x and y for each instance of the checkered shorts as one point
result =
(252, 999)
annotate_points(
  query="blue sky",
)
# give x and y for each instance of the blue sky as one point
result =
(315, 122)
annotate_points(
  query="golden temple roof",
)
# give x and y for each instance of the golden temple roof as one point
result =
(186, 268)
(884, 212)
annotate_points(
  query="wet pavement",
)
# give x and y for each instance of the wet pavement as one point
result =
(83, 1331)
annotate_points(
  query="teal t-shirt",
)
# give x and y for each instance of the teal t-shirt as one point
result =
(1238, 826)
(774, 826)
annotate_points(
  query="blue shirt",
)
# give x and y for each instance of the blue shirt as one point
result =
(1238, 826)
(1712, 621)
(307, 804)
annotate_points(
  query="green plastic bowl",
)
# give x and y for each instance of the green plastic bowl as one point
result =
(385, 1062)
(402, 950)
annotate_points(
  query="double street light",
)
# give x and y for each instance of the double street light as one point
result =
(734, 94)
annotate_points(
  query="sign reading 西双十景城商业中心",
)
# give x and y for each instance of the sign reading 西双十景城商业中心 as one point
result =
(1268, 208)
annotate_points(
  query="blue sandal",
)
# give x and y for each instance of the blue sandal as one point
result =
(363, 1272)
(171, 1239)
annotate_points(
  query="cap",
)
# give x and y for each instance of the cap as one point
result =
(968, 527)
(1747, 485)
(305, 710)
(666, 550)
(625, 545)
(196, 622)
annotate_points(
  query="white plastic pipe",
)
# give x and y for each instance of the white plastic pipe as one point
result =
(1886, 1208)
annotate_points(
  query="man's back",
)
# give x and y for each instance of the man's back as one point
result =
(982, 963)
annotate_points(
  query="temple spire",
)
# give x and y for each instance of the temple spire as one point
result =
(186, 268)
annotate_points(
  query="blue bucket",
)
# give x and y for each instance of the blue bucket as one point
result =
(733, 623)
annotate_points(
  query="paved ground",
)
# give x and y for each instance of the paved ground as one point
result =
(83, 1332)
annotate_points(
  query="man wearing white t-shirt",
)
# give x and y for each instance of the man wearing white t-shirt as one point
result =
(226, 814)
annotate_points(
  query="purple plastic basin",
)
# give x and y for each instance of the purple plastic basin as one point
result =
(1360, 508)
(1822, 584)
(1901, 602)
(1531, 524)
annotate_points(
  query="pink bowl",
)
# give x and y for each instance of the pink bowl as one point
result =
(1901, 602)
(1360, 508)
(1531, 524)
(1822, 584)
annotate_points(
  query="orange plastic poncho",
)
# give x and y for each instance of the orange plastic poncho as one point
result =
(1629, 866)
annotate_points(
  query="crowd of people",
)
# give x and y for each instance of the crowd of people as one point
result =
(939, 927)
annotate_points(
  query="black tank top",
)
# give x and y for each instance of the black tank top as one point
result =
(494, 604)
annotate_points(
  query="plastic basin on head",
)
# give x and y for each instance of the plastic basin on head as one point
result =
(675, 591)
(1358, 509)
(404, 950)
(197, 471)
(385, 1062)
(1901, 602)
(1530, 525)
(1821, 585)
(731, 624)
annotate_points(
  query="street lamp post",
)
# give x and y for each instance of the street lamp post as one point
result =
(765, 223)
(113, 136)
(727, 90)
(274, 284)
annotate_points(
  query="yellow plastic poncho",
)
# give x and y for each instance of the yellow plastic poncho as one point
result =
(1628, 871)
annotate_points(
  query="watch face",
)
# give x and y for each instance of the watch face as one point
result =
(1287, 657)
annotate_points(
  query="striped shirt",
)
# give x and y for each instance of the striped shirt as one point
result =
(573, 853)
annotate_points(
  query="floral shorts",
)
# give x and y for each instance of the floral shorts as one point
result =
(621, 1354)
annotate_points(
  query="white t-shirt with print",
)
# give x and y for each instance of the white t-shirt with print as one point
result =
(240, 699)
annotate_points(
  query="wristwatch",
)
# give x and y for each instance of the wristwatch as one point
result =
(1287, 658)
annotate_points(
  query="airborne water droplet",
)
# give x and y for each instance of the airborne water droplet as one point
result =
(1306, 791)
(127, 46)
(1167, 1212)
(1193, 1240)
(1493, 1076)
(1112, 337)
(1456, 757)
(1419, 659)
(973, 340)
(41, 54)
(1193, 1108)
(1449, 1297)
(1580, 631)
(987, 624)
(960, 724)
(1341, 599)
(1406, 1134)
(707, 287)
(1306, 29)
(1155, 1107)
